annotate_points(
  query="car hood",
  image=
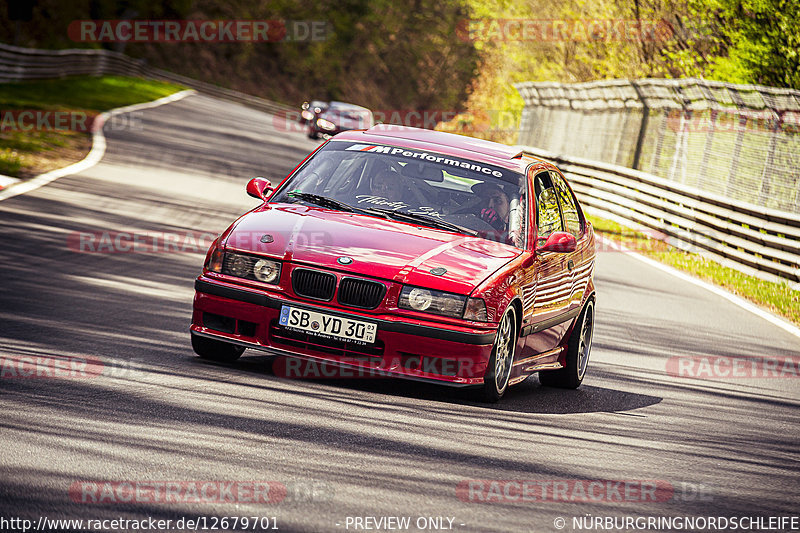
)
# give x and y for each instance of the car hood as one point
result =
(379, 248)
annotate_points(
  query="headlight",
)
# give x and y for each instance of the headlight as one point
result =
(267, 271)
(250, 267)
(239, 266)
(326, 124)
(430, 301)
(420, 299)
(306, 114)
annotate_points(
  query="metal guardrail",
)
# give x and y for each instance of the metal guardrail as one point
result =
(24, 64)
(757, 240)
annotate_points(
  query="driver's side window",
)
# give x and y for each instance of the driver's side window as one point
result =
(548, 216)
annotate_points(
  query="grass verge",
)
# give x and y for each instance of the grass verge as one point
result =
(776, 297)
(26, 150)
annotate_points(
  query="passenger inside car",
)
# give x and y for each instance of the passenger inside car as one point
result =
(388, 184)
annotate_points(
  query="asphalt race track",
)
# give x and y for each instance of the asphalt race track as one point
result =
(349, 453)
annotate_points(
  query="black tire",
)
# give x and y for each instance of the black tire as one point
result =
(214, 350)
(498, 371)
(578, 350)
(312, 133)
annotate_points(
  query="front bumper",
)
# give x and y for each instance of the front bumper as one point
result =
(406, 349)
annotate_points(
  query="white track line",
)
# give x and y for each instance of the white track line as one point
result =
(6, 181)
(95, 154)
(741, 302)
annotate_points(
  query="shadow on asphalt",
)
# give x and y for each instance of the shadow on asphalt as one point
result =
(526, 397)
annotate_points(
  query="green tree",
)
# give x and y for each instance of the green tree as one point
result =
(764, 38)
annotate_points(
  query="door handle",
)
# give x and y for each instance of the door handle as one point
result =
(570, 264)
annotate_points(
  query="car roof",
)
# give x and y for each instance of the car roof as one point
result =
(447, 143)
(346, 105)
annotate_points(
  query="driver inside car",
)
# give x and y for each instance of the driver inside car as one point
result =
(497, 207)
(499, 211)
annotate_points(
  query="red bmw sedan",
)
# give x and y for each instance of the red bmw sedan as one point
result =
(408, 253)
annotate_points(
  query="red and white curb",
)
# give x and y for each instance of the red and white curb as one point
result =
(95, 154)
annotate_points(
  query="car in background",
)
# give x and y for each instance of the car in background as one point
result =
(339, 117)
(408, 253)
(310, 110)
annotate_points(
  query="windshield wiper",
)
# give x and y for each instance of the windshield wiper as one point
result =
(428, 221)
(322, 201)
(325, 201)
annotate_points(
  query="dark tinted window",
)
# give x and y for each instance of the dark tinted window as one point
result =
(572, 218)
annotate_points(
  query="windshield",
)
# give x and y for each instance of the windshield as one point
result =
(478, 198)
(363, 117)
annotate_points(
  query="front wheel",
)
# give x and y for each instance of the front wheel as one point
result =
(495, 381)
(214, 350)
(580, 344)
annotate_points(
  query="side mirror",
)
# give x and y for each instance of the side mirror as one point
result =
(559, 242)
(259, 188)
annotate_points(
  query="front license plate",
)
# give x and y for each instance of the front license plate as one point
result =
(326, 325)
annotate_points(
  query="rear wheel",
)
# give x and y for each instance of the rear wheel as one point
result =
(495, 381)
(215, 350)
(578, 349)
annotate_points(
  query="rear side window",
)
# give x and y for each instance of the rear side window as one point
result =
(548, 217)
(572, 218)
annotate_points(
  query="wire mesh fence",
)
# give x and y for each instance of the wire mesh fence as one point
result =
(739, 141)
